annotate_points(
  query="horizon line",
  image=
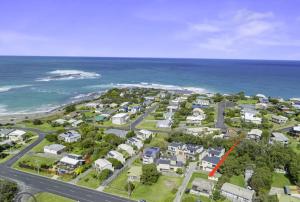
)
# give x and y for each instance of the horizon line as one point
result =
(149, 57)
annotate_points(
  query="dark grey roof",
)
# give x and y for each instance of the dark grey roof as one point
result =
(213, 159)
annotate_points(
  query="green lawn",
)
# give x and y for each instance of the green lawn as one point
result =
(44, 127)
(193, 198)
(238, 180)
(158, 192)
(46, 197)
(18, 147)
(197, 175)
(89, 181)
(40, 147)
(280, 180)
(147, 124)
(287, 198)
(249, 101)
(294, 144)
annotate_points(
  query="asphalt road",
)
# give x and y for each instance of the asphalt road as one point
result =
(221, 109)
(58, 187)
(44, 184)
(140, 119)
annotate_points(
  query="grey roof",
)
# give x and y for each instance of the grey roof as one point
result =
(215, 151)
(279, 137)
(168, 161)
(55, 147)
(175, 144)
(117, 132)
(201, 183)
(69, 134)
(5, 131)
(212, 159)
(238, 191)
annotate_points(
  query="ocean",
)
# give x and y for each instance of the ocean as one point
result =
(36, 84)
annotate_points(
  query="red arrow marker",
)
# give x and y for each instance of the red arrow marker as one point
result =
(212, 173)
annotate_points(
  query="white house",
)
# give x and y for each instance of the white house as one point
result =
(120, 118)
(70, 136)
(77, 123)
(195, 119)
(127, 148)
(60, 121)
(254, 134)
(17, 135)
(71, 160)
(172, 108)
(251, 117)
(116, 155)
(144, 134)
(237, 193)
(201, 131)
(102, 164)
(54, 149)
(198, 112)
(135, 142)
(150, 155)
(279, 119)
(278, 137)
(212, 158)
(164, 123)
(169, 164)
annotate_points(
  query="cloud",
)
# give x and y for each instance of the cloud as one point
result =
(204, 28)
(239, 31)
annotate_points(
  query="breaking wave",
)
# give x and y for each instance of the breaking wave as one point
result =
(69, 75)
(12, 87)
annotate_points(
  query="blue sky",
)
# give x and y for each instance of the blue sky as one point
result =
(250, 29)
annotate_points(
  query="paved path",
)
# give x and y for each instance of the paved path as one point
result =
(188, 175)
(221, 110)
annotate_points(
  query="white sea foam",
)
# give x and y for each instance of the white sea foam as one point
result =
(3, 109)
(11, 87)
(162, 86)
(149, 85)
(69, 75)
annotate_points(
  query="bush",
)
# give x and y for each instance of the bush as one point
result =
(8, 190)
(70, 108)
(37, 122)
(150, 174)
(51, 137)
(129, 187)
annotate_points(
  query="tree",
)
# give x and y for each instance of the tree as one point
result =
(129, 187)
(130, 134)
(8, 190)
(150, 174)
(37, 122)
(70, 108)
(115, 163)
(179, 171)
(51, 137)
(261, 180)
(104, 174)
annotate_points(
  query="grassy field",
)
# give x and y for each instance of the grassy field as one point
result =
(40, 147)
(162, 191)
(193, 198)
(43, 127)
(287, 198)
(19, 148)
(294, 144)
(238, 180)
(249, 101)
(147, 124)
(89, 181)
(46, 197)
(280, 180)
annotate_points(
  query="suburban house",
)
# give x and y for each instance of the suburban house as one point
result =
(295, 131)
(201, 131)
(70, 136)
(102, 164)
(144, 134)
(251, 117)
(202, 186)
(135, 142)
(198, 112)
(69, 163)
(120, 119)
(172, 108)
(200, 103)
(16, 135)
(116, 155)
(254, 134)
(279, 119)
(183, 152)
(127, 148)
(236, 193)
(134, 174)
(164, 123)
(60, 121)
(169, 164)
(134, 109)
(54, 149)
(4, 132)
(195, 119)
(212, 158)
(278, 137)
(77, 123)
(150, 155)
(116, 132)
